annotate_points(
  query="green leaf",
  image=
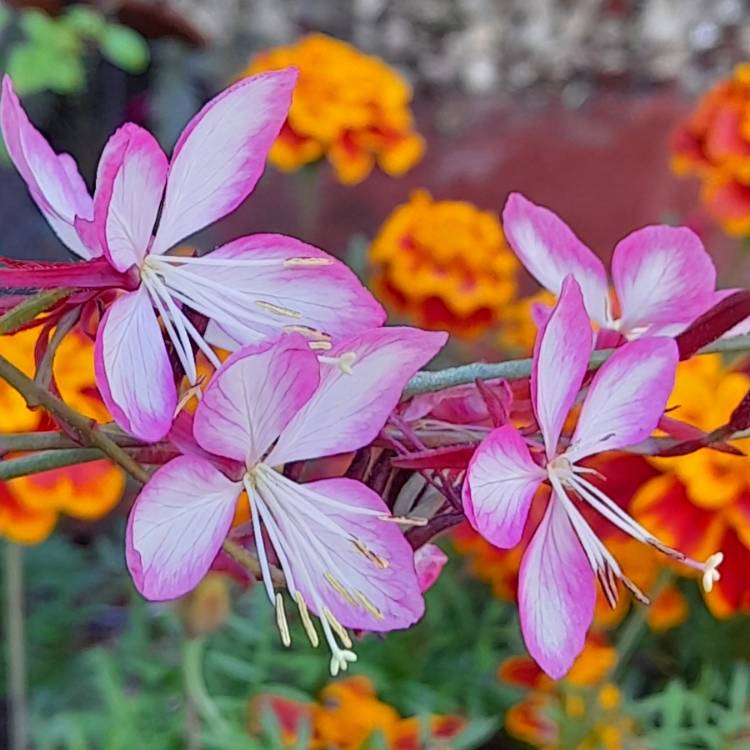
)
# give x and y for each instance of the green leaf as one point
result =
(27, 66)
(48, 33)
(125, 48)
(5, 16)
(85, 22)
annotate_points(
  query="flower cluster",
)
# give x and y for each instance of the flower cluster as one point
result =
(714, 145)
(348, 107)
(303, 460)
(444, 264)
(349, 716)
(30, 505)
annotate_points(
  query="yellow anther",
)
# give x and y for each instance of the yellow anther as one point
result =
(710, 571)
(313, 333)
(381, 562)
(321, 346)
(338, 627)
(193, 391)
(283, 625)
(339, 588)
(405, 520)
(369, 606)
(292, 262)
(307, 623)
(277, 309)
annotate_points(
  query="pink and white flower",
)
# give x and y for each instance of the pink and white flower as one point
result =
(249, 289)
(663, 278)
(625, 399)
(272, 403)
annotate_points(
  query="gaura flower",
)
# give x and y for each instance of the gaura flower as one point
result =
(626, 398)
(249, 289)
(349, 107)
(30, 506)
(270, 404)
(445, 264)
(663, 277)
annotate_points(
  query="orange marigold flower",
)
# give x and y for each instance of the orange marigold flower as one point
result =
(714, 144)
(29, 506)
(347, 716)
(349, 107)
(701, 502)
(445, 264)
(517, 328)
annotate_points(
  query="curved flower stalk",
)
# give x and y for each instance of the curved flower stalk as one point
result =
(249, 289)
(270, 404)
(663, 277)
(625, 400)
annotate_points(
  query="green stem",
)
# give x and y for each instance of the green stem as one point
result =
(195, 688)
(14, 442)
(28, 309)
(12, 468)
(16, 646)
(438, 380)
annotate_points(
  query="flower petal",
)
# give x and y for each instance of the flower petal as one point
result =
(133, 372)
(386, 578)
(662, 275)
(222, 153)
(626, 398)
(326, 298)
(53, 179)
(129, 185)
(253, 397)
(500, 484)
(429, 561)
(556, 593)
(549, 249)
(347, 411)
(177, 526)
(561, 355)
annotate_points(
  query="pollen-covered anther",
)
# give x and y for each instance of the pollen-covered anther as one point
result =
(321, 346)
(306, 262)
(313, 333)
(339, 629)
(405, 520)
(277, 309)
(307, 622)
(369, 606)
(345, 362)
(340, 589)
(373, 557)
(281, 622)
(710, 571)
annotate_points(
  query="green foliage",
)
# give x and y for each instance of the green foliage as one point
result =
(50, 53)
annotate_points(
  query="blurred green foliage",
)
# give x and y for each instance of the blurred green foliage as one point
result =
(109, 671)
(49, 54)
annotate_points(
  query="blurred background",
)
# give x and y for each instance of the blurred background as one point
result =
(412, 122)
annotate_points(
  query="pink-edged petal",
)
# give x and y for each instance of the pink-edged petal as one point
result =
(429, 561)
(129, 185)
(550, 251)
(500, 484)
(556, 593)
(561, 355)
(387, 577)
(253, 397)
(177, 526)
(349, 409)
(326, 298)
(221, 154)
(626, 398)
(662, 275)
(133, 372)
(53, 179)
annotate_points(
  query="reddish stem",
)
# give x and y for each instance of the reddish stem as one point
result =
(89, 274)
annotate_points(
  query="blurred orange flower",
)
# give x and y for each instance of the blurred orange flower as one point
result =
(583, 711)
(346, 716)
(518, 331)
(701, 502)
(29, 506)
(444, 263)
(714, 144)
(349, 107)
